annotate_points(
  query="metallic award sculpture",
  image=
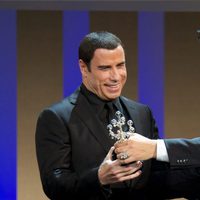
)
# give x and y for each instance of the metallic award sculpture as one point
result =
(118, 124)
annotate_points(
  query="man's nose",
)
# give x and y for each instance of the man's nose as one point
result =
(114, 74)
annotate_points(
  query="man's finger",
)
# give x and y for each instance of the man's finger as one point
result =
(109, 155)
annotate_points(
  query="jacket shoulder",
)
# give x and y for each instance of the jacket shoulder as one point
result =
(64, 107)
(133, 103)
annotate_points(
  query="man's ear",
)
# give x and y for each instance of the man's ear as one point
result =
(83, 68)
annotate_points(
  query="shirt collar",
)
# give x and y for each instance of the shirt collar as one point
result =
(96, 101)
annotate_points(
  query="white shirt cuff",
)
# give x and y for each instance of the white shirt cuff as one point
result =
(161, 151)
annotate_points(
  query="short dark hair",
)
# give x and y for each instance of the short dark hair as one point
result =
(96, 40)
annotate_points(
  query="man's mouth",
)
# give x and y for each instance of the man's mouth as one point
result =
(112, 86)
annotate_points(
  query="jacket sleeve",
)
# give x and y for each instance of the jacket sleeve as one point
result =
(53, 149)
(183, 152)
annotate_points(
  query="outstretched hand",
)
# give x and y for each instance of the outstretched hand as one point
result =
(137, 147)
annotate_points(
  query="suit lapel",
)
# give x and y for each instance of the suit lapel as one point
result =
(91, 121)
(134, 115)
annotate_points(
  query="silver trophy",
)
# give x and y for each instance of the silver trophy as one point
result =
(118, 124)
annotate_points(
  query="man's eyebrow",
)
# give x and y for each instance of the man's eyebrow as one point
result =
(107, 66)
(121, 63)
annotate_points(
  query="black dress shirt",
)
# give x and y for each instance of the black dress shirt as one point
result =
(104, 110)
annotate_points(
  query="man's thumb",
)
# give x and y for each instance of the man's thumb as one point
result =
(109, 155)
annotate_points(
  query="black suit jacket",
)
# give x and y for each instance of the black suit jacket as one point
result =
(71, 143)
(183, 152)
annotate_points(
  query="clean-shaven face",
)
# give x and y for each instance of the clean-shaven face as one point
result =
(108, 73)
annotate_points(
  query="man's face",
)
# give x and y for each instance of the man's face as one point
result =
(107, 74)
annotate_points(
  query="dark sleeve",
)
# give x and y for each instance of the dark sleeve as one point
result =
(179, 178)
(183, 152)
(53, 148)
(171, 180)
(174, 183)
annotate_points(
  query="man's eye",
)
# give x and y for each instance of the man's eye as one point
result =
(121, 66)
(103, 67)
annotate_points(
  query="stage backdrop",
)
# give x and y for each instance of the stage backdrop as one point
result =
(162, 54)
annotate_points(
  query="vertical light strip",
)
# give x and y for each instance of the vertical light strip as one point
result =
(75, 27)
(8, 104)
(151, 63)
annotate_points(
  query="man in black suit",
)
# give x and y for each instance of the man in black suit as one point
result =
(73, 146)
(183, 155)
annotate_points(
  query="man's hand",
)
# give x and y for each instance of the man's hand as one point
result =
(111, 171)
(137, 147)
